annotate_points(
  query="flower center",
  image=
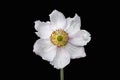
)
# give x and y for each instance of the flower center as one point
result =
(59, 38)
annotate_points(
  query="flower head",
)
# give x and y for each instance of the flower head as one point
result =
(61, 39)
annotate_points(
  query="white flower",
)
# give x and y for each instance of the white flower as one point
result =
(61, 39)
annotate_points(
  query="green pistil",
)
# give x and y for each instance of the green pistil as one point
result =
(59, 38)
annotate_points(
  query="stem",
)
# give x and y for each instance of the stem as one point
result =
(61, 74)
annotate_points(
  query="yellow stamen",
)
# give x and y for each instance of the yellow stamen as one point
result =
(59, 38)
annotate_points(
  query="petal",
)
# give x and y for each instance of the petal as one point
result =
(73, 25)
(62, 59)
(74, 51)
(45, 49)
(43, 29)
(81, 38)
(58, 20)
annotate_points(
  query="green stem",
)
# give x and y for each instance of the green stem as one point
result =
(61, 74)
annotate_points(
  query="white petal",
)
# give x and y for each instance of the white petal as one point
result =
(74, 51)
(81, 38)
(58, 20)
(45, 49)
(62, 59)
(43, 29)
(73, 25)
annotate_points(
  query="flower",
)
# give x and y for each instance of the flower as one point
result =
(61, 39)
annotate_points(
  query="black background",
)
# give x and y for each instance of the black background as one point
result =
(21, 63)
